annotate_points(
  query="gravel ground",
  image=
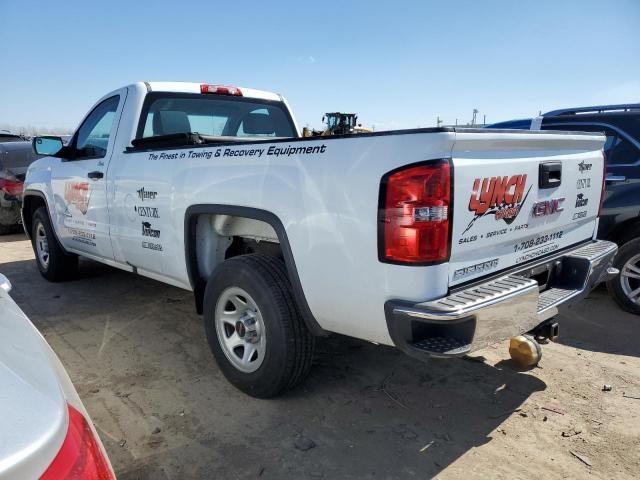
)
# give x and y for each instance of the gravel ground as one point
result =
(137, 353)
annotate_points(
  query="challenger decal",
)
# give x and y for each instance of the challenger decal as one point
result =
(502, 197)
(77, 193)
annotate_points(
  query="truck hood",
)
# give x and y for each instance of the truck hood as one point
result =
(33, 411)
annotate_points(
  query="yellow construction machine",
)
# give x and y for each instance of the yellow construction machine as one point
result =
(338, 123)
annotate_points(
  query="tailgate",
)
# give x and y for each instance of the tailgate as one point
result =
(520, 196)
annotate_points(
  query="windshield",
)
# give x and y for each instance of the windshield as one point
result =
(214, 115)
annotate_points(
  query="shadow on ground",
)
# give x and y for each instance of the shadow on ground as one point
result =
(136, 350)
(599, 325)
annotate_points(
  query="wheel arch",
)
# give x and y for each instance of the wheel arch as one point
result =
(625, 231)
(191, 255)
(31, 201)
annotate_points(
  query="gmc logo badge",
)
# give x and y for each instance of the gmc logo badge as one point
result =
(548, 207)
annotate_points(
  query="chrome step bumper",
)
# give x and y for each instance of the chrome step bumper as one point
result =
(498, 309)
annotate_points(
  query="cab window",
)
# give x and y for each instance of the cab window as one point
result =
(213, 115)
(93, 135)
(619, 150)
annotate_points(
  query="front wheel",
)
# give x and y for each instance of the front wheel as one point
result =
(53, 262)
(254, 329)
(625, 288)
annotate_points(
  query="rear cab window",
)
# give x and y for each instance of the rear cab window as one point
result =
(618, 150)
(166, 113)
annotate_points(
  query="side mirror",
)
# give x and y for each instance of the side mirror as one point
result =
(5, 284)
(47, 145)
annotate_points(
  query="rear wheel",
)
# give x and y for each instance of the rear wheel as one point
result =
(253, 326)
(54, 264)
(625, 288)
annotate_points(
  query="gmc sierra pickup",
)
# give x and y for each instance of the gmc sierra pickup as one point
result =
(425, 239)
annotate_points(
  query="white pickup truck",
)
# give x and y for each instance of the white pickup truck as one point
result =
(438, 241)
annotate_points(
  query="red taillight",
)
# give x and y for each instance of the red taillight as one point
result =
(416, 214)
(221, 90)
(11, 187)
(604, 182)
(80, 457)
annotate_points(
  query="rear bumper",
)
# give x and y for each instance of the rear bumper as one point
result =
(498, 309)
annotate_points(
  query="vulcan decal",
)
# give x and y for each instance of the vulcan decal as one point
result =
(147, 231)
(581, 200)
(502, 197)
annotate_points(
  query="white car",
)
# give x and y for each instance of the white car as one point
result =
(45, 431)
(437, 241)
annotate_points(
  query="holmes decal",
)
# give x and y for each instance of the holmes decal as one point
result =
(77, 193)
(502, 197)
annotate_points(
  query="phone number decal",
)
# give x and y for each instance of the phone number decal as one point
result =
(537, 241)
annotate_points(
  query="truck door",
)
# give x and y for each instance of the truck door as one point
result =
(79, 186)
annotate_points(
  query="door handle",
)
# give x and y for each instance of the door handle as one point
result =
(615, 178)
(95, 175)
(549, 175)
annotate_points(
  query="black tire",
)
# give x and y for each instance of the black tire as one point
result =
(615, 285)
(289, 344)
(60, 265)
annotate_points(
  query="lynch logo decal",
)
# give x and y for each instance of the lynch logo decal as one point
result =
(499, 196)
(77, 193)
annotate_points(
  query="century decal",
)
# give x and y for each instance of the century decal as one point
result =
(150, 212)
(146, 194)
(583, 183)
(502, 197)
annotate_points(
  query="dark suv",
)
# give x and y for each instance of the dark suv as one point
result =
(620, 219)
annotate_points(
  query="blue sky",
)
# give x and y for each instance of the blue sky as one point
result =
(398, 64)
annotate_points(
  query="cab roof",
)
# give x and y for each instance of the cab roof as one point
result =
(192, 87)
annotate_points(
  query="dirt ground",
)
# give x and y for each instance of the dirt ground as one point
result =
(137, 353)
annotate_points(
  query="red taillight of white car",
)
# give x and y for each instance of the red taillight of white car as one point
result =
(221, 90)
(415, 214)
(11, 187)
(80, 457)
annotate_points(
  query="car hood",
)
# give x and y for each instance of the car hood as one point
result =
(33, 410)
